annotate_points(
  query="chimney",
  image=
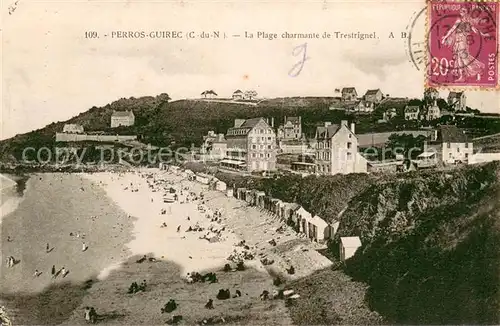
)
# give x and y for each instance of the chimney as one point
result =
(353, 128)
(238, 122)
(343, 123)
(327, 124)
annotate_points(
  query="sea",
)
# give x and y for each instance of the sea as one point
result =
(11, 192)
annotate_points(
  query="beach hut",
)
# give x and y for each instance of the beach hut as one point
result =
(240, 193)
(220, 186)
(321, 229)
(229, 192)
(259, 199)
(268, 203)
(203, 178)
(250, 196)
(302, 218)
(348, 247)
(275, 206)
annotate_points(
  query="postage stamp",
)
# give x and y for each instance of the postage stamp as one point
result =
(462, 44)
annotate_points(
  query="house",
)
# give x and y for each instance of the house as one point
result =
(337, 150)
(214, 145)
(230, 192)
(348, 247)
(363, 106)
(433, 112)
(349, 94)
(238, 95)
(319, 230)
(374, 96)
(251, 146)
(209, 93)
(301, 219)
(287, 211)
(457, 101)
(73, 128)
(122, 118)
(290, 129)
(389, 114)
(412, 112)
(455, 145)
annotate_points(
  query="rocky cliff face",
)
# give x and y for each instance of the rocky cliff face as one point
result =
(431, 245)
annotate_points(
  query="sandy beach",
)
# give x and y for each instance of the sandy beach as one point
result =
(119, 216)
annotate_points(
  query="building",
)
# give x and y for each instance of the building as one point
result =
(389, 114)
(412, 112)
(73, 129)
(433, 112)
(122, 118)
(348, 247)
(214, 145)
(337, 150)
(349, 94)
(363, 106)
(457, 101)
(455, 145)
(251, 145)
(238, 95)
(374, 96)
(319, 230)
(290, 129)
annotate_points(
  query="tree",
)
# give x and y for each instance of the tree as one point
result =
(409, 145)
(163, 98)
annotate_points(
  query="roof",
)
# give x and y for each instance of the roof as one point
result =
(318, 221)
(237, 91)
(372, 91)
(412, 108)
(327, 132)
(348, 90)
(292, 120)
(451, 134)
(302, 211)
(426, 154)
(350, 242)
(246, 126)
(122, 114)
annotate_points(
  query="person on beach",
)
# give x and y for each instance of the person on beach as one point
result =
(37, 273)
(63, 271)
(9, 239)
(87, 314)
(84, 246)
(179, 228)
(53, 270)
(47, 248)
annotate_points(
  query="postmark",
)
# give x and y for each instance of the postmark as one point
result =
(462, 44)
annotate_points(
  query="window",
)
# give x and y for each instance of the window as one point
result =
(449, 155)
(466, 155)
(350, 135)
(448, 145)
(262, 138)
(349, 145)
(253, 154)
(349, 156)
(269, 147)
(254, 146)
(261, 155)
(269, 138)
(261, 131)
(458, 149)
(268, 155)
(466, 145)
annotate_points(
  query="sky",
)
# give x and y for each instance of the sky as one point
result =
(51, 72)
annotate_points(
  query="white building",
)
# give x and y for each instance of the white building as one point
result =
(73, 128)
(348, 247)
(455, 145)
(122, 118)
(337, 150)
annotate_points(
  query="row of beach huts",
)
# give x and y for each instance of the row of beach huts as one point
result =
(314, 227)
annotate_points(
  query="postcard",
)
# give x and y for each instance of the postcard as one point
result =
(249, 162)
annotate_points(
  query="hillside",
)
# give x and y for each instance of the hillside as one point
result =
(431, 240)
(184, 122)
